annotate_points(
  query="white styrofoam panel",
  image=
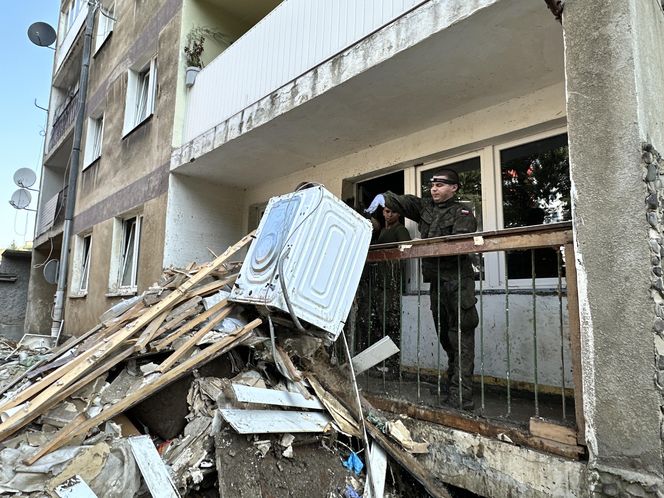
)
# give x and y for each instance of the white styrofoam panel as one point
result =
(322, 244)
(295, 37)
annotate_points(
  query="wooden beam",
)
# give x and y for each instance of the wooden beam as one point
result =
(473, 243)
(150, 331)
(190, 325)
(191, 342)
(457, 420)
(548, 429)
(575, 340)
(67, 374)
(143, 392)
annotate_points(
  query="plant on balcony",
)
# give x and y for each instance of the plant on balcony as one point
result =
(194, 47)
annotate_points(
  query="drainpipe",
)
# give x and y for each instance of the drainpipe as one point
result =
(58, 307)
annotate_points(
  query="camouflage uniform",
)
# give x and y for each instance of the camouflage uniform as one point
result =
(443, 273)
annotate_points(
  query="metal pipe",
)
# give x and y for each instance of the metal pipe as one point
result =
(419, 322)
(562, 336)
(532, 272)
(507, 338)
(58, 306)
(481, 334)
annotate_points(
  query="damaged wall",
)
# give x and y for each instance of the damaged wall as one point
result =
(494, 468)
(615, 80)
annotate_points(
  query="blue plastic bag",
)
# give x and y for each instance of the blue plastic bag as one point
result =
(354, 463)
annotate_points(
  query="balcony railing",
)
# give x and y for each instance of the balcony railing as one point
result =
(52, 212)
(527, 342)
(294, 38)
(63, 122)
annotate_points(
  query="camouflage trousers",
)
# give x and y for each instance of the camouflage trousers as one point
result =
(446, 301)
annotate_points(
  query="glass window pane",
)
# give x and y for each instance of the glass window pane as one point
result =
(128, 253)
(85, 271)
(536, 191)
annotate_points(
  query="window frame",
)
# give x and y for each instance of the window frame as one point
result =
(135, 78)
(120, 250)
(81, 266)
(94, 136)
(105, 19)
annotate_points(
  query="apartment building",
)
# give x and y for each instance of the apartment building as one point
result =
(554, 126)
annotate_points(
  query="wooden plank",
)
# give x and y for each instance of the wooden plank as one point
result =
(143, 392)
(274, 421)
(548, 429)
(343, 418)
(70, 372)
(191, 342)
(457, 420)
(473, 243)
(176, 322)
(247, 394)
(374, 354)
(74, 487)
(152, 467)
(211, 287)
(150, 331)
(378, 466)
(575, 340)
(190, 325)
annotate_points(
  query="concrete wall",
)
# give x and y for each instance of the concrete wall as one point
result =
(615, 83)
(494, 468)
(132, 173)
(14, 295)
(40, 292)
(200, 215)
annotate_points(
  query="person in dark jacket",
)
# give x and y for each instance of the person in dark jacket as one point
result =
(451, 277)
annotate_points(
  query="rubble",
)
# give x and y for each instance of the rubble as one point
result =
(72, 422)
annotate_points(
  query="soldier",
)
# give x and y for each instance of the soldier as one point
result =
(437, 216)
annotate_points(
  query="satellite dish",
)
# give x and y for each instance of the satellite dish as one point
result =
(41, 34)
(25, 177)
(21, 199)
(51, 271)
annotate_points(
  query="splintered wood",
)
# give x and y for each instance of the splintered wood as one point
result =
(170, 315)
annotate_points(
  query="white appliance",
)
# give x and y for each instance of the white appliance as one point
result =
(320, 245)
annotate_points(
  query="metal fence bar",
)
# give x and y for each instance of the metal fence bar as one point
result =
(370, 311)
(389, 267)
(419, 323)
(458, 355)
(507, 339)
(482, 407)
(562, 336)
(535, 379)
(438, 327)
(401, 334)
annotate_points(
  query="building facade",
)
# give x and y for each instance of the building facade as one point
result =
(368, 96)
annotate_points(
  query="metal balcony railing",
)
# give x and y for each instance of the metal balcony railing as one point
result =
(64, 121)
(52, 212)
(527, 343)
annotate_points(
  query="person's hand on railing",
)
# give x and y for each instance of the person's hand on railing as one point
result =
(378, 201)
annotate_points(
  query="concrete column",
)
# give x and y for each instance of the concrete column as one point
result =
(614, 67)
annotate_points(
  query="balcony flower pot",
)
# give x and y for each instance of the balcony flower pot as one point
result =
(190, 75)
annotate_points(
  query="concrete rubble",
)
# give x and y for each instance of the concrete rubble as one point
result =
(225, 412)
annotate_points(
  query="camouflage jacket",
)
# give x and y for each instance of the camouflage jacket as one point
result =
(436, 220)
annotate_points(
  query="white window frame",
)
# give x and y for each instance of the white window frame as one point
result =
(94, 139)
(105, 25)
(119, 254)
(141, 95)
(492, 207)
(81, 266)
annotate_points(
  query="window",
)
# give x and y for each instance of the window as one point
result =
(93, 139)
(535, 191)
(516, 184)
(125, 254)
(81, 267)
(105, 24)
(141, 91)
(131, 234)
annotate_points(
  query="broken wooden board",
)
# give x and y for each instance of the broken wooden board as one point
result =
(400, 433)
(342, 417)
(547, 429)
(246, 394)
(374, 354)
(274, 421)
(224, 345)
(378, 466)
(152, 467)
(190, 325)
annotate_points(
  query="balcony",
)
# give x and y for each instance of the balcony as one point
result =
(314, 81)
(64, 120)
(72, 24)
(51, 215)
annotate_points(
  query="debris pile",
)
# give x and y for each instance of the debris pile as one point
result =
(79, 418)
